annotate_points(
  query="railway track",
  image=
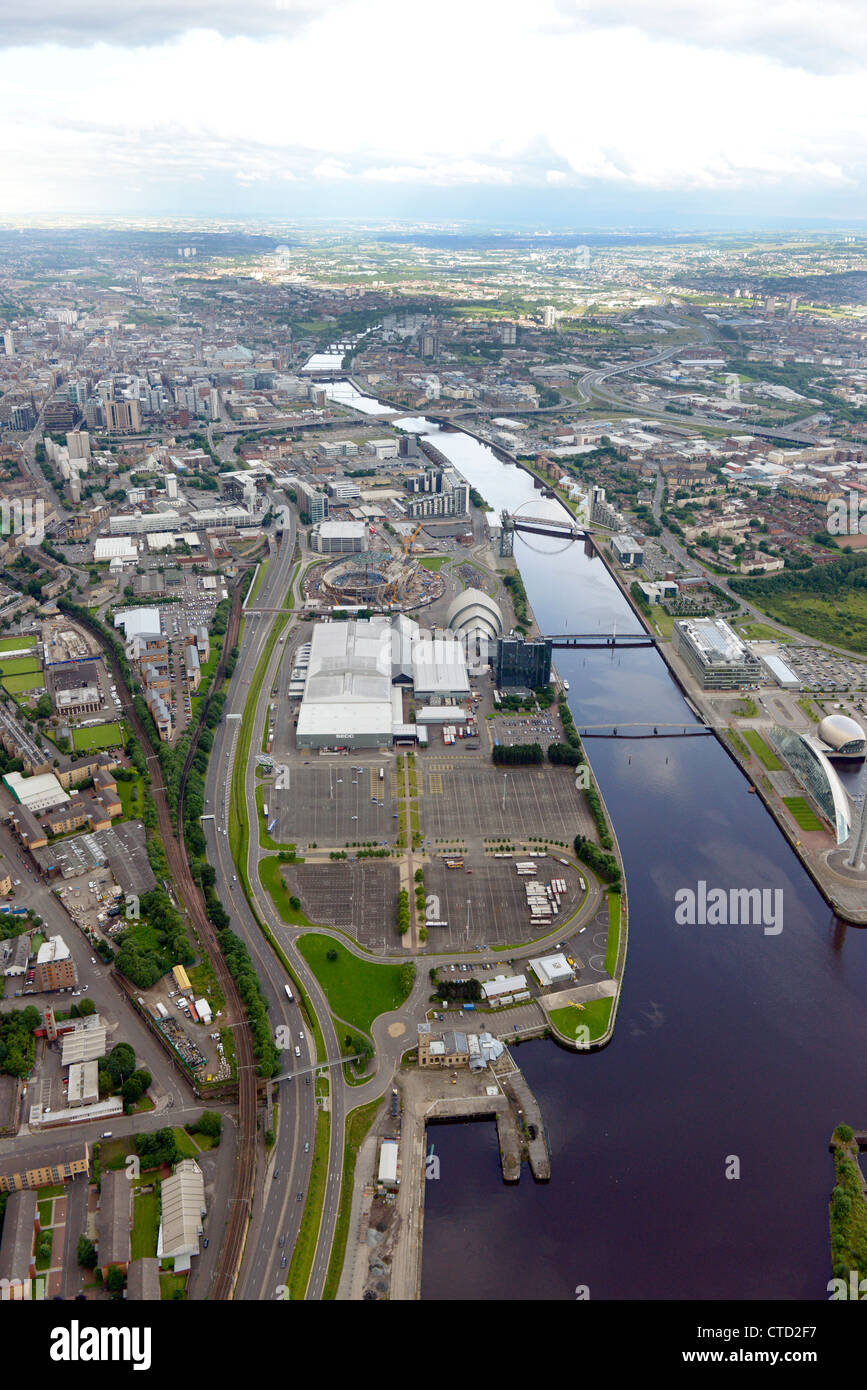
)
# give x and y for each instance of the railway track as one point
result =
(241, 1200)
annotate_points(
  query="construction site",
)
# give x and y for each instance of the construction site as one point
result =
(377, 579)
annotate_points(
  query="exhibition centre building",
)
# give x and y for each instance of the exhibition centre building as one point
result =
(357, 672)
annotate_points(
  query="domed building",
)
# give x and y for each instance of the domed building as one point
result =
(478, 622)
(843, 736)
(474, 611)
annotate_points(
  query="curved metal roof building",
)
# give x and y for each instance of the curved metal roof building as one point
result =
(805, 757)
(475, 611)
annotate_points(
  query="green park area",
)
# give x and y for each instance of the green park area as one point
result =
(131, 797)
(663, 621)
(20, 685)
(803, 813)
(825, 601)
(594, 1016)
(765, 755)
(97, 736)
(146, 1223)
(19, 666)
(173, 1286)
(271, 877)
(16, 644)
(433, 562)
(761, 632)
(357, 990)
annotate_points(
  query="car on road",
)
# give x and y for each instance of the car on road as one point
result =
(297, 1051)
(301, 1034)
(282, 1242)
(93, 960)
(205, 1242)
(300, 1197)
(307, 1148)
(283, 1261)
(276, 1174)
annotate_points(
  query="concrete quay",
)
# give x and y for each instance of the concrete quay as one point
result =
(385, 1248)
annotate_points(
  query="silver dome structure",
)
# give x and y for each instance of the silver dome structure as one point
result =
(844, 736)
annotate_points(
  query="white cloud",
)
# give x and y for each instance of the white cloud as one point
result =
(634, 95)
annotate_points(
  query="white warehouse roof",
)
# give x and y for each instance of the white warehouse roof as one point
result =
(388, 1161)
(36, 793)
(114, 548)
(551, 969)
(503, 984)
(136, 621)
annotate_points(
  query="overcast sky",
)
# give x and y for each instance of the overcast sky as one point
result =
(576, 112)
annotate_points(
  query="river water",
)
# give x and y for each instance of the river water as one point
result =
(730, 1044)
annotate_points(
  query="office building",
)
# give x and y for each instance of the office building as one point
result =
(122, 417)
(715, 654)
(628, 550)
(23, 418)
(311, 501)
(521, 663)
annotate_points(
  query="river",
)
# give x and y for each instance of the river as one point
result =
(730, 1044)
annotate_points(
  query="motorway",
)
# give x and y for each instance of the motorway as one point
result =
(277, 1211)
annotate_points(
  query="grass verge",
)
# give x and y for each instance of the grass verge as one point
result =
(272, 881)
(308, 1232)
(613, 932)
(765, 755)
(358, 1123)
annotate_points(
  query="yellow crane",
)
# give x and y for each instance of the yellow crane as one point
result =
(408, 544)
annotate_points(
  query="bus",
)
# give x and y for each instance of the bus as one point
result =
(289, 994)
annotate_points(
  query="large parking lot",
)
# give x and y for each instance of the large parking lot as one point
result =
(334, 801)
(360, 897)
(476, 799)
(821, 670)
(543, 728)
(489, 905)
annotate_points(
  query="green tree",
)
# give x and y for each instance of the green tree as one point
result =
(86, 1253)
(114, 1281)
(210, 1123)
